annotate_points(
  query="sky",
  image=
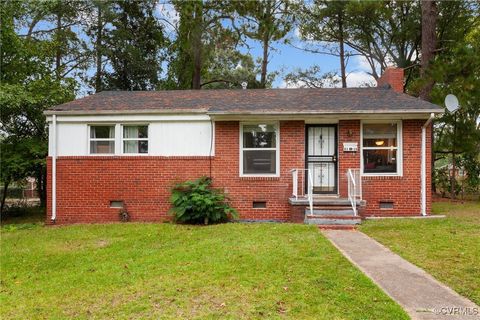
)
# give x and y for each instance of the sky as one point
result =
(287, 58)
(284, 57)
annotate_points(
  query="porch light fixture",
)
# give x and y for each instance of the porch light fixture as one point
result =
(379, 142)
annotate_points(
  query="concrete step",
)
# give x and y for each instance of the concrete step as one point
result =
(332, 208)
(334, 220)
(330, 212)
(324, 202)
(332, 216)
(337, 227)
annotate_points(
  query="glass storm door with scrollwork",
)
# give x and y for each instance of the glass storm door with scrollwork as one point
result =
(321, 157)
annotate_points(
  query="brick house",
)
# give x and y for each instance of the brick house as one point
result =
(325, 156)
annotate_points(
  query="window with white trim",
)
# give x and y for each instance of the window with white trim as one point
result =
(102, 139)
(381, 148)
(135, 138)
(259, 154)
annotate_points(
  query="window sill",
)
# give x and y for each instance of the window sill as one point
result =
(382, 177)
(264, 178)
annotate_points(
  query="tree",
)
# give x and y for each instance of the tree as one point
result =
(429, 42)
(95, 29)
(311, 78)
(204, 29)
(228, 68)
(28, 85)
(266, 21)
(457, 70)
(326, 21)
(132, 46)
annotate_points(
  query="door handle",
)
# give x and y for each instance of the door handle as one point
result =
(334, 158)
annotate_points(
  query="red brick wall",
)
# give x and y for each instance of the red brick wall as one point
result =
(85, 185)
(394, 77)
(348, 131)
(404, 191)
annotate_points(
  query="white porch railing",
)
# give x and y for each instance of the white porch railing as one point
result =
(298, 189)
(354, 188)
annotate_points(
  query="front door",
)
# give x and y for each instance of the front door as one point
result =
(321, 157)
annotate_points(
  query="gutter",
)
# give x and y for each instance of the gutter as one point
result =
(125, 112)
(233, 113)
(54, 168)
(423, 173)
(323, 112)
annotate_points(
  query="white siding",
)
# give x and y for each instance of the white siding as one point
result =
(180, 138)
(166, 138)
(72, 139)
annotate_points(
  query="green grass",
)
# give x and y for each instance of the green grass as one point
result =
(137, 271)
(449, 248)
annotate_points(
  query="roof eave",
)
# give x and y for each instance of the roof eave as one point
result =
(123, 112)
(329, 112)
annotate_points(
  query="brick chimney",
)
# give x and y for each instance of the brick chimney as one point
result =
(392, 77)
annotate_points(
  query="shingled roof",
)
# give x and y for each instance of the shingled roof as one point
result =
(254, 101)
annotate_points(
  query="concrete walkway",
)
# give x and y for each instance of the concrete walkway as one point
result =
(416, 291)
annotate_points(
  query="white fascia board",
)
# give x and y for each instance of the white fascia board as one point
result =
(320, 118)
(135, 118)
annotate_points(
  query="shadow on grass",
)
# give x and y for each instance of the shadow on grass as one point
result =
(23, 218)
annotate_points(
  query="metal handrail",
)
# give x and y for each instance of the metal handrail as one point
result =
(354, 190)
(309, 194)
(310, 191)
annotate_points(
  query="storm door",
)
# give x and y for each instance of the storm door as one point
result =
(321, 157)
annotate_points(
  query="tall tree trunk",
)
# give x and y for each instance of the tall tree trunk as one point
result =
(98, 49)
(4, 196)
(125, 85)
(58, 51)
(429, 43)
(263, 75)
(197, 65)
(197, 47)
(342, 51)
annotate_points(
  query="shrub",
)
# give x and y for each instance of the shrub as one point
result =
(197, 202)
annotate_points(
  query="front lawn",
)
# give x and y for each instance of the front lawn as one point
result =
(137, 270)
(449, 248)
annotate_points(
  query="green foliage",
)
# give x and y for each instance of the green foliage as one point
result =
(312, 77)
(267, 22)
(471, 165)
(456, 71)
(133, 45)
(197, 202)
(29, 84)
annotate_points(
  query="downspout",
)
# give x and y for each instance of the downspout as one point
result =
(54, 168)
(211, 148)
(423, 173)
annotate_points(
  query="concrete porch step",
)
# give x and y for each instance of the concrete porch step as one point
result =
(333, 216)
(333, 220)
(326, 201)
(337, 227)
(330, 212)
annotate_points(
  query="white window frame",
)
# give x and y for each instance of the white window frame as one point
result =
(277, 149)
(399, 149)
(90, 139)
(122, 139)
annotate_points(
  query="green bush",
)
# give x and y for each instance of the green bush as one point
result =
(197, 202)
